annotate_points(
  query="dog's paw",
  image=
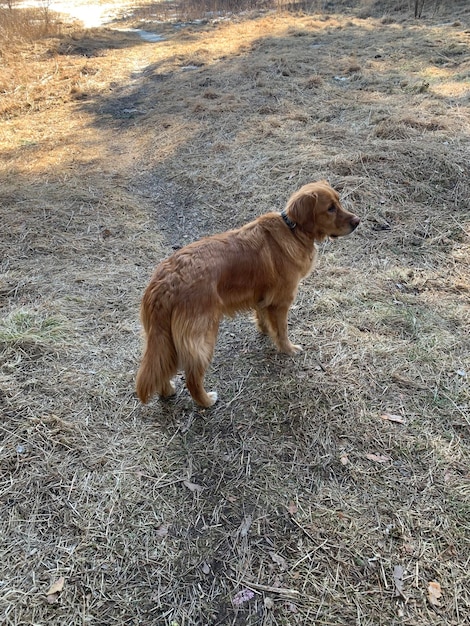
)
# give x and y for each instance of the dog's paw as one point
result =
(206, 400)
(291, 349)
(169, 390)
(212, 395)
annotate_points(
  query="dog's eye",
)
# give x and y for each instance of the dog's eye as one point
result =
(332, 209)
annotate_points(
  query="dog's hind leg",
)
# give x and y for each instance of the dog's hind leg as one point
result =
(195, 350)
(262, 321)
(167, 389)
(158, 366)
(195, 383)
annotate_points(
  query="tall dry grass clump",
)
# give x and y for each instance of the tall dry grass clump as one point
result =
(31, 77)
(18, 26)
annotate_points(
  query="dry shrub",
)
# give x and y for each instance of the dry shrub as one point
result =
(30, 77)
(25, 25)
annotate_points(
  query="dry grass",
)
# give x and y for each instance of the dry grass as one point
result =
(293, 486)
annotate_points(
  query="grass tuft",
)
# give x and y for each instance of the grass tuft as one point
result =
(32, 327)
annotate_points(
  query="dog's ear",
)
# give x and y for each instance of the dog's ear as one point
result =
(301, 209)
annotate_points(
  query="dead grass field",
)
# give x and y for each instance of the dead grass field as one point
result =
(293, 501)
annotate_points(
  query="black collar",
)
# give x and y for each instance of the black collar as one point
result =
(287, 220)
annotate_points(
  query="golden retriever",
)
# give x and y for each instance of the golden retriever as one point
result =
(258, 266)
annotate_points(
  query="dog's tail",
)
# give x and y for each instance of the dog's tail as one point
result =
(159, 362)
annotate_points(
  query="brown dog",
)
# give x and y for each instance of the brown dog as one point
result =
(257, 266)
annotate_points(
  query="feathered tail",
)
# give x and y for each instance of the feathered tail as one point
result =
(159, 362)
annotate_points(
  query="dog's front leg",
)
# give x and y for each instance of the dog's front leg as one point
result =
(277, 316)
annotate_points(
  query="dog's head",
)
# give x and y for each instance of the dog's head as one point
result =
(316, 210)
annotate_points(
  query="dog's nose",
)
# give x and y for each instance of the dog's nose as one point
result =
(355, 221)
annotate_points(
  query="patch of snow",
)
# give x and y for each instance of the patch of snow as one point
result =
(92, 15)
(146, 35)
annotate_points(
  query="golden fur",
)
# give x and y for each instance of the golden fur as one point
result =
(257, 266)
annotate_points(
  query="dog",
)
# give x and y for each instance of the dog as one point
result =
(258, 266)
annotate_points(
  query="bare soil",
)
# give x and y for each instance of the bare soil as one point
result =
(328, 488)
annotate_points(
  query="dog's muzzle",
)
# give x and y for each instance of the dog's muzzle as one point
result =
(355, 221)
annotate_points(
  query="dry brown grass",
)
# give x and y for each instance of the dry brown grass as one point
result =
(293, 486)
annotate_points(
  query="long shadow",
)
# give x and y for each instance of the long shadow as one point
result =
(386, 72)
(264, 96)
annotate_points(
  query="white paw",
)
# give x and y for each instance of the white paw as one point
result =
(291, 349)
(169, 391)
(212, 397)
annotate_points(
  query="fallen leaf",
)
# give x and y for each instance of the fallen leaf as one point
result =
(291, 607)
(242, 596)
(56, 587)
(279, 560)
(268, 603)
(434, 593)
(447, 476)
(344, 459)
(192, 486)
(378, 458)
(52, 598)
(398, 419)
(292, 508)
(398, 580)
(205, 568)
(162, 531)
(245, 526)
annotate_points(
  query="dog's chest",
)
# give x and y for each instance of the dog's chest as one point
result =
(310, 262)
